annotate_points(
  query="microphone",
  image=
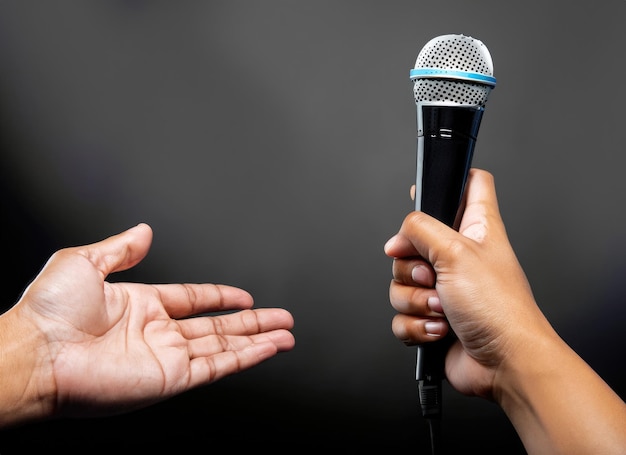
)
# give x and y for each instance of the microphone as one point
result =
(452, 78)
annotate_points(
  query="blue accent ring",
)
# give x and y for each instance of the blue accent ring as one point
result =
(439, 73)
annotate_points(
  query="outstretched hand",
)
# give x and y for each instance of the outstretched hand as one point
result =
(95, 347)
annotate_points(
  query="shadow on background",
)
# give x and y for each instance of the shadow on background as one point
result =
(271, 146)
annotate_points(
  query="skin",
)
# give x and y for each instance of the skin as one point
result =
(507, 351)
(77, 345)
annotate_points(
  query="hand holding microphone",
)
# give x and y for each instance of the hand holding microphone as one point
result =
(453, 76)
(504, 347)
(506, 350)
(481, 287)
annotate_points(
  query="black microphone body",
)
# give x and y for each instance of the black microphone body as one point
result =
(444, 157)
(445, 152)
(453, 76)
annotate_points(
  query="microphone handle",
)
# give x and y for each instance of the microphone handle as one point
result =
(445, 148)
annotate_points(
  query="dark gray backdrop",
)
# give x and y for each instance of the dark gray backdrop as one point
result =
(271, 146)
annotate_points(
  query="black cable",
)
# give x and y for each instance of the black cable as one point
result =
(434, 425)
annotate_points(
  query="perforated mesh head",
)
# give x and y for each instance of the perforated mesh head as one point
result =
(457, 53)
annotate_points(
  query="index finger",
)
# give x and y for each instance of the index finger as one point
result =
(423, 235)
(183, 300)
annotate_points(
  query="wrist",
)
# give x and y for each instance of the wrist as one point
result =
(548, 391)
(26, 391)
(526, 387)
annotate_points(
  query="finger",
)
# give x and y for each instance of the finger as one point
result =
(413, 271)
(215, 367)
(183, 300)
(245, 322)
(400, 246)
(415, 301)
(118, 252)
(412, 330)
(283, 340)
(423, 235)
(417, 232)
(412, 191)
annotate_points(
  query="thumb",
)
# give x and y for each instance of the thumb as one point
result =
(119, 252)
(481, 213)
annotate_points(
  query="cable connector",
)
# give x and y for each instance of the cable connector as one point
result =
(429, 373)
(430, 397)
(430, 394)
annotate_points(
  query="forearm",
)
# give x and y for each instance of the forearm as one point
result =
(24, 396)
(559, 405)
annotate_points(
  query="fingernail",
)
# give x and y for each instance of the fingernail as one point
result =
(419, 274)
(435, 304)
(433, 328)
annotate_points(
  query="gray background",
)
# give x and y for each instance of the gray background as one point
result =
(271, 146)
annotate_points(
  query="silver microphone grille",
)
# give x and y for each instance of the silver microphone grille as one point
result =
(453, 69)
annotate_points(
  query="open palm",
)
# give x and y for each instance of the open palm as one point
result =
(111, 347)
